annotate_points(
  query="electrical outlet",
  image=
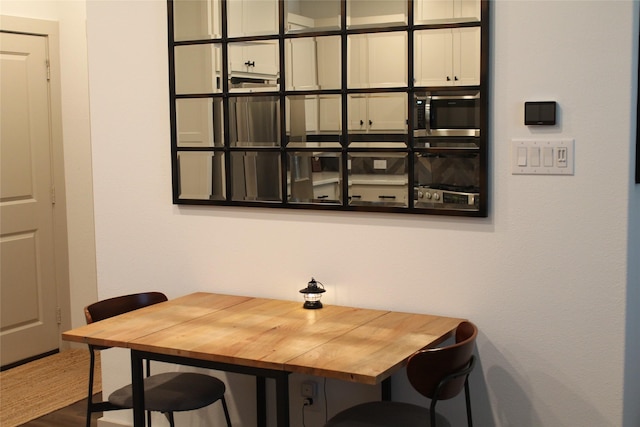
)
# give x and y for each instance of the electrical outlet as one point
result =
(379, 163)
(561, 157)
(309, 389)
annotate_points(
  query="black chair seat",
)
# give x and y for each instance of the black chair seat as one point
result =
(173, 392)
(384, 414)
(167, 393)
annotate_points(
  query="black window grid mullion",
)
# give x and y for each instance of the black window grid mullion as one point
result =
(175, 171)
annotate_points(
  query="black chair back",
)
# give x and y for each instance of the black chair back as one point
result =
(427, 368)
(123, 304)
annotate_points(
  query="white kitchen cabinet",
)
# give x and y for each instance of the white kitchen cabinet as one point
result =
(198, 68)
(330, 113)
(447, 57)
(328, 62)
(195, 20)
(254, 58)
(317, 113)
(436, 11)
(301, 64)
(377, 60)
(380, 112)
(326, 191)
(252, 17)
(378, 193)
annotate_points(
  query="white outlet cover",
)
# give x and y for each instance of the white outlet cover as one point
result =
(380, 164)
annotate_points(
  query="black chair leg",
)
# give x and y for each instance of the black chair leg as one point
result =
(90, 391)
(468, 399)
(432, 413)
(169, 416)
(226, 411)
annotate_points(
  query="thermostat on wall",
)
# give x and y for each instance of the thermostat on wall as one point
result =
(540, 113)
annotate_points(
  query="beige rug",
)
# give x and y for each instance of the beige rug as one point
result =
(43, 386)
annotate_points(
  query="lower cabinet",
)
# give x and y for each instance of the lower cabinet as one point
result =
(391, 195)
(328, 191)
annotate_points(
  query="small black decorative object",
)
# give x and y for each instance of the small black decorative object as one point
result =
(312, 294)
(540, 113)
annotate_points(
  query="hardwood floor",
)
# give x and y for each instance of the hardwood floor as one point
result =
(71, 416)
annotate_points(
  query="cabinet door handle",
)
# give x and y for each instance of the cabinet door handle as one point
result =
(370, 122)
(455, 78)
(448, 78)
(386, 197)
(361, 122)
(250, 63)
(324, 196)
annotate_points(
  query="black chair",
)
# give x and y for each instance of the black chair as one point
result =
(437, 373)
(167, 392)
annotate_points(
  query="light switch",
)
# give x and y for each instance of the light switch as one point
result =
(547, 157)
(522, 156)
(534, 157)
(542, 157)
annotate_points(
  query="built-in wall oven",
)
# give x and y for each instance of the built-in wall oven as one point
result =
(447, 113)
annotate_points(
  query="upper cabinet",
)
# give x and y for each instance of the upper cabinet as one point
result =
(377, 60)
(254, 58)
(444, 11)
(196, 20)
(381, 112)
(301, 64)
(447, 57)
(372, 14)
(365, 105)
(252, 17)
(328, 59)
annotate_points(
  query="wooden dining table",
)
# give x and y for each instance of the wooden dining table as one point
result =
(267, 338)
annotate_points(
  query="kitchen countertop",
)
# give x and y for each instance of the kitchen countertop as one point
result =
(322, 178)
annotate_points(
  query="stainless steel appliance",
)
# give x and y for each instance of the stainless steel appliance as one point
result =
(254, 126)
(447, 113)
(443, 194)
(447, 180)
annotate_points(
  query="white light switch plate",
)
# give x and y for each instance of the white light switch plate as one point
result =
(542, 157)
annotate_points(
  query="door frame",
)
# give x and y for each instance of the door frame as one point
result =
(50, 30)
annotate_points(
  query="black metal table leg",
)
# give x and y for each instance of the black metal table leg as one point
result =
(281, 378)
(261, 401)
(386, 389)
(137, 384)
(282, 399)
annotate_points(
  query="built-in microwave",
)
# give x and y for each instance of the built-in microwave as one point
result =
(447, 113)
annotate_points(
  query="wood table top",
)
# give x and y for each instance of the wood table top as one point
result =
(352, 344)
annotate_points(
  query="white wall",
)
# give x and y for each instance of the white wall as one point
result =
(545, 277)
(71, 16)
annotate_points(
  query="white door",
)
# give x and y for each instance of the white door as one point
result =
(28, 300)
